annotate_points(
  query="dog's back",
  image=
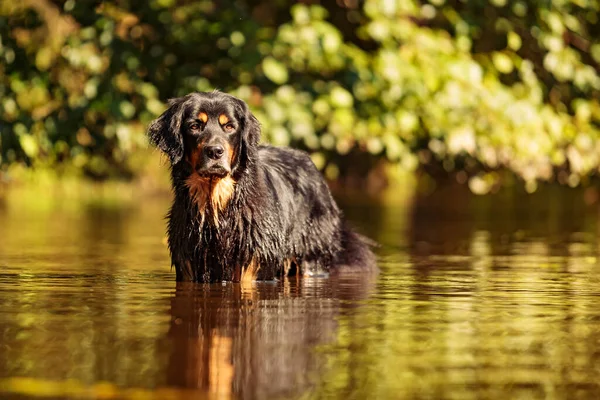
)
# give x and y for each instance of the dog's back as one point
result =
(317, 230)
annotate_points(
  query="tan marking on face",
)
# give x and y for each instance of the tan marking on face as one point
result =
(203, 117)
(195, 155)
(230, 153)
(223, 119)
(250, 273)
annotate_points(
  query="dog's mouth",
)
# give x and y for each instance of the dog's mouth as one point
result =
(217, 171)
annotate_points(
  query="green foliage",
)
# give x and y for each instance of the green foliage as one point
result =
(475, 87)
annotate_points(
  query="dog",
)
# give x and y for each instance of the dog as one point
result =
(244, 211)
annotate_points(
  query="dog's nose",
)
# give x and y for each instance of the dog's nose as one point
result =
(214, 152)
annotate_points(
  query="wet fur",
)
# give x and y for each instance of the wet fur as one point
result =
(273, 215)
(213, 192)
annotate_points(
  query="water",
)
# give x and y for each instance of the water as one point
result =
(478, 297)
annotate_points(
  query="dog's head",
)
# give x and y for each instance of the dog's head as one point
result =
(213, 134)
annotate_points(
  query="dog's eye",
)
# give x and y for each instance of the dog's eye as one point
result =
(194, 126)
(229, 128)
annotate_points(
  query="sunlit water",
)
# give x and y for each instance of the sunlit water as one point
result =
(494, 297)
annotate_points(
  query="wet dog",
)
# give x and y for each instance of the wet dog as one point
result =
(244, 211)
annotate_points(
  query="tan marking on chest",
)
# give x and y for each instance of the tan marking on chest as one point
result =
(214, 193)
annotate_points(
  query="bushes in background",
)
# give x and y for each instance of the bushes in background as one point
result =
(469, 87)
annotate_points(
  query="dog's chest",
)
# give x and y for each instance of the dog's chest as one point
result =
(226, 239)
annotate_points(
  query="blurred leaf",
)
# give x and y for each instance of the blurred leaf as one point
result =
(29, 145)
(275, 71)
(502, 62)
(514, 41)
(340, 97)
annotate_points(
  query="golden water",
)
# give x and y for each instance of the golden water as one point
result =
(494, 297)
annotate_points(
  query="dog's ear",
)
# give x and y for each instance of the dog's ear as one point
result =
(165, 131)
(251, 126)
(249, 137)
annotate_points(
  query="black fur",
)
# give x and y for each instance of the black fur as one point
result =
(280, 213)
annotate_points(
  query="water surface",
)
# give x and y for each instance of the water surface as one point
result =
(478, 297)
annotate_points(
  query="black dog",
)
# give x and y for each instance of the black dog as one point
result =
(243, 211)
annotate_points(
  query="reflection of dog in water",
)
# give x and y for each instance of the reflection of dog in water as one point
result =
(243, 211)
(258, 342)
